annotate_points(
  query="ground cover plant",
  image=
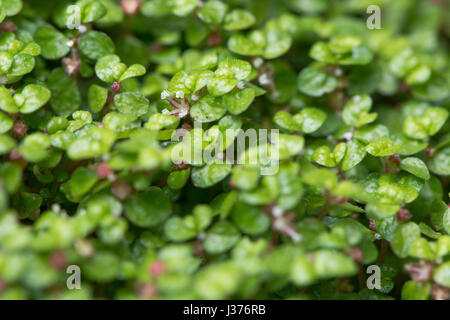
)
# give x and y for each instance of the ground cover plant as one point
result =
(93, 204)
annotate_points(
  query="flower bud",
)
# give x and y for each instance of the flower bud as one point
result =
(103, 170)
(403, 215)
(20, 129)
(121, 189)
(420, 272)
(147, 290)
(158, 268)
(58, 260)
(116, 87)
(130, 7)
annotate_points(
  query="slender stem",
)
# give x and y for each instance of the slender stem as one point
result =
(383, 251)
(361, 277)
(341, 173)
(324, 210)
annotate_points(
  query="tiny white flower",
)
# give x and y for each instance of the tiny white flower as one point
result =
(82, 28)
(295, 236)
(275, 94)
(258, 62)
(165, 94)
(194, 97)
(179, 94)
(277, 211)
(348, 136)
(338, 72)
(165, 111)
(263, 79)
(377, 236)
(56, 207)
(181, 112)
(112, 177)
(241, 84)
(70, 43)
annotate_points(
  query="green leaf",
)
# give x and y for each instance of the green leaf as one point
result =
(446, 220)
(242, 45)
(245, 178)
(289, 145)
(442, 274)
(412, 290)
(250, 220)
(278, 42)
(221, 237)
(426, 124)
(210, 174)
(354, 154)
(6, 61)
(34, 147)
(6, 144)
(109, 68)
(310, 119)
(440, 163)
(65, 95)
(240, 69)
(96, 142)
(177, 179)
(35, 97)
(320, 51)
(212, 12)
(81, 182)
(160, 121)
(356, 111)
(328, 264)
(134, 70)
(315, 83)
(133, 103)
(184, 7)
(324, 157)
(102, 267)
(415, 166)
(97, 97)
(95, 44)
(149, 208)
(53, 43)
(303, 272)
(208, 109)
(12, 7)
(7, 101)
(284, 120)
(177, 229)
(404, 238)
(238, 101)
(382, 148)
(22, 64)
(381, 210)
(220, 85)
(11, 176)
(6, 123)
(238, 19)
(91, 10)
(421, 249)
(434, 89)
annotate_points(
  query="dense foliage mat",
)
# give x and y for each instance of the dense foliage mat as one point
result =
(92, 93)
